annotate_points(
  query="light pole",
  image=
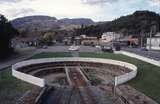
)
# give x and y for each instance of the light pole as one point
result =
(152, 31)
(142, 36)
(150, 38)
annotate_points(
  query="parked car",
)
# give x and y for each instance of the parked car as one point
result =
(107, 49)
(97, 46)
(144, 49)
(117, 48)
(73, 48)
(45, 47)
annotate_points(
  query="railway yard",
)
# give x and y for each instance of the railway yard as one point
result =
(76, 89)
(80, 83)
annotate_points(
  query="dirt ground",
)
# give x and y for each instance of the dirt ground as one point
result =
(126, 93)
(122, 92)
(30, 96)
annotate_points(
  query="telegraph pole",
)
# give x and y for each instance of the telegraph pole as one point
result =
(152, 31)
(150, 38)
(142, 36)
(113, 39)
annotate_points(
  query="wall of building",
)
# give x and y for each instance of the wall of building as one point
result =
(109, 36)
(89, 42)
(155, 43)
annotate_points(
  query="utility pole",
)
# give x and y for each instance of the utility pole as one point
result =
(142, 36)
(114, 86)
(150, 38)
(152, 31)
(113, 39)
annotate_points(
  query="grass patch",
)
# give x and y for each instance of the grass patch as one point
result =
(51, 54)
(11, 88)
(148, 77)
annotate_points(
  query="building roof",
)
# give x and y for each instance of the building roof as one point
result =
(90, 38)
(27, 39)
(83, 37)
(158, 34)
(77, 37)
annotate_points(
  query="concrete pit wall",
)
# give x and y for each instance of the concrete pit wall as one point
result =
(41, 82)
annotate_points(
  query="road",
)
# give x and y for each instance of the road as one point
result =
(65, 49)
(149, 54)
(28, 52)
(22, 55)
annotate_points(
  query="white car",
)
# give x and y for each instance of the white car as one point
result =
(97, 46)
(73, 48)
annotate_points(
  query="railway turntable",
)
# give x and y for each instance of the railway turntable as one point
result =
(74, 80)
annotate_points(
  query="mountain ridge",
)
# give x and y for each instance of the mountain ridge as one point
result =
(43, 23)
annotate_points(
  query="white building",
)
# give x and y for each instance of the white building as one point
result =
(155, 42)
(109, 36)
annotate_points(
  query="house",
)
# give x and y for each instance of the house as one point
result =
(77, 40)
(19, 42)
(154, 42)
(67, 40)
(87, 40)
(130, 40)
(109, 37)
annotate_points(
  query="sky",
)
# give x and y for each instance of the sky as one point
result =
(97, 10)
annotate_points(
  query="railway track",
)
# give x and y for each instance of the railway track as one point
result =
(86, 96)
(76, 78)
(79, 93)
(82, 86)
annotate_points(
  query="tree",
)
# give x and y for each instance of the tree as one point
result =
(124, 31)
(47, 39)
(130, 24)
(7, 32)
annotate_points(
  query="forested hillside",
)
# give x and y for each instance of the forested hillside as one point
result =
(131, 24)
